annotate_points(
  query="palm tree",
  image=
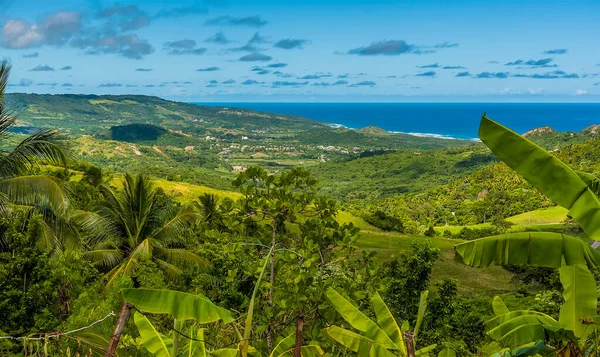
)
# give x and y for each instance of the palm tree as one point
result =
(208, 205)
(131, 224)
(18, 187)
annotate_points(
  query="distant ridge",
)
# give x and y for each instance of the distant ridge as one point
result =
(373, 130)
(542, 130)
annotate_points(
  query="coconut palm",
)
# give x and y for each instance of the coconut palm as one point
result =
(132, 224)
(18, 187)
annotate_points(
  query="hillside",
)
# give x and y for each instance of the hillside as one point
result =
(373, 175)
(91, 114)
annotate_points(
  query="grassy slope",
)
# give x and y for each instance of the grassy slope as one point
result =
(489, 281)
(535, 220)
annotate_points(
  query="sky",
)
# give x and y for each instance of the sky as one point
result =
(306, 50)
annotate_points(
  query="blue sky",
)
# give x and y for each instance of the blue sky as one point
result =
(306, 50)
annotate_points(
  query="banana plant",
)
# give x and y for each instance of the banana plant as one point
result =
(183, 307)
(526, 333)
(382, 338)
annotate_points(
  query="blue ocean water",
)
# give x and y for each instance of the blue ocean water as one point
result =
(451, 120)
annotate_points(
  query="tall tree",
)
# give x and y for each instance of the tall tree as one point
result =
(132, 223)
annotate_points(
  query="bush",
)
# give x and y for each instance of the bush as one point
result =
(385, 222)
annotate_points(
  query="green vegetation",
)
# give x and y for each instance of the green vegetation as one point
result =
(228, 232)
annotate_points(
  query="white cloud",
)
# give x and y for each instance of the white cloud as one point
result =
(55, 29)
(581, 92)
(536, 90)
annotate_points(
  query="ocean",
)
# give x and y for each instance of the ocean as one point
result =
(446, 120)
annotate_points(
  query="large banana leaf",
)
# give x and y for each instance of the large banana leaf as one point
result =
(544, 171)
(500, 319)
(182, 306)
(580, 299)
(542, 249)
(156, 343)
(359, 321)
(526, 329)
(350, 340)
(386, 320)
(305, 351)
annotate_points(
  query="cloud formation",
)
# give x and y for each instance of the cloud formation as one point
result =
(66, 68)
(255, 57)
(143, 69)
(397, 47)
(364, 83)
(257, 39)
(24, 82)
(433, 65)
(249, 82)
(558, 51)
(453, 67)
(183, 47)
(544, 62)
(110, 85)
(426, 74)
(129, 46)
(55, 29)
(289, 44)
(316, 76)
(219, 38)
(31, 55)
(485, 75)
(463, 74)
(208, 69)
(42, 68)
(277, 65)
(251, 21)
(288, 84)
(328, 84)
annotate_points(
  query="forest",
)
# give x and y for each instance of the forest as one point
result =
(172, 237)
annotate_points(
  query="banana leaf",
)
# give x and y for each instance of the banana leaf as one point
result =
(544, 171)
(580, 299)
(500, 319)
(539, 348)
(541, 249)
(182, 306)
(350, 340)
(499, 306)
(527, 329)
(360, 321)
(446, 352)
(156, 343)
(305, 351)
(196, 348)
(421, 312)
(386, 320)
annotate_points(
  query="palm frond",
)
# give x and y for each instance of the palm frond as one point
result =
(174, 229)
(38, 148)
(108, 258)
(4, 74)
(127, 267)
(36, 190)
(171, 271)
(182, 256)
